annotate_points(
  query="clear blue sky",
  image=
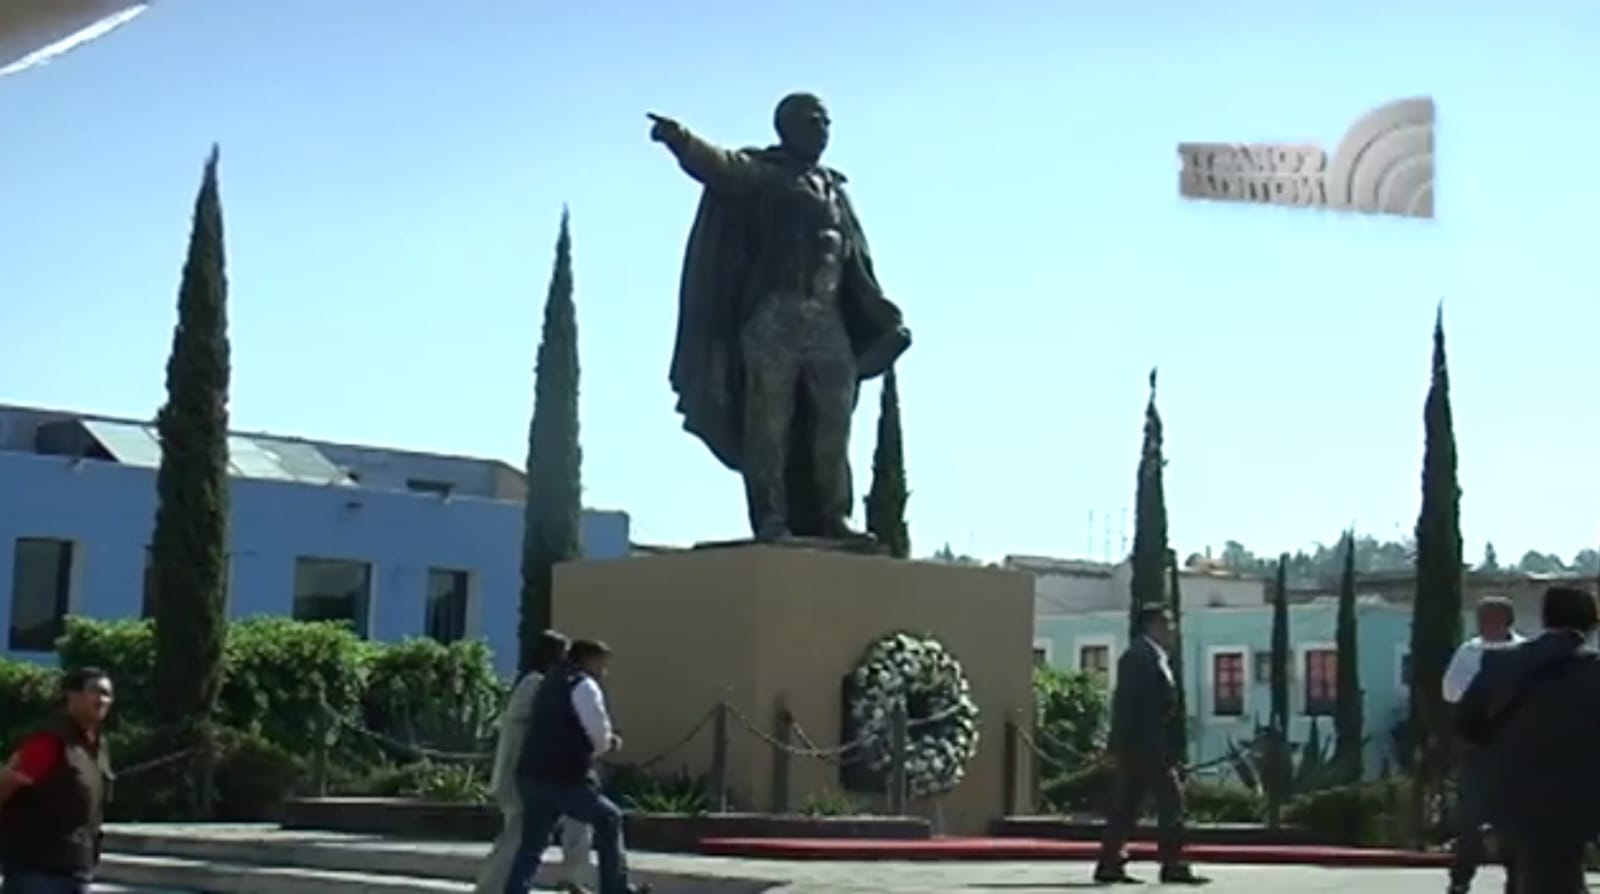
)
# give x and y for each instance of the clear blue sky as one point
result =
(393, 173)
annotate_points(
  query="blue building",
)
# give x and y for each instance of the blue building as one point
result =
(396, 543)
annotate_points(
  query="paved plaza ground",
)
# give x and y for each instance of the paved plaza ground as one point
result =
(218, 854)
(1038, 878)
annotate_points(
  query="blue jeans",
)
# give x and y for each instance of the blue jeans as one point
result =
(543, 805)
(21, 881)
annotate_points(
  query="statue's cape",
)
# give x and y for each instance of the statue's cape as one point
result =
(714, 301)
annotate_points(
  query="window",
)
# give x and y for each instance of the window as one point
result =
(1322, 681)
(447, 604)
(41, 593)
(1041, 658)
(333, 590)
(1094, 659)
(424, 486)
(1227, 684)
(1264, 666)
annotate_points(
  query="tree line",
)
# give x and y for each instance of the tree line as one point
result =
(1321, 565)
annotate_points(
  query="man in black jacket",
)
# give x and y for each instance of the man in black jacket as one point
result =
(1535, 710)
(1140, 754)
(53, 794)
(556, 776)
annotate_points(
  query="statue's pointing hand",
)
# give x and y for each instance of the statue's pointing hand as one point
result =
(665, 130)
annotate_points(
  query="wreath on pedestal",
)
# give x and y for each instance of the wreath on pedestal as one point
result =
(942, 718)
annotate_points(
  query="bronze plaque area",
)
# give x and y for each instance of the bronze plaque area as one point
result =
(1384, 165)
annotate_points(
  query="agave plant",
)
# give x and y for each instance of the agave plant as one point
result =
(1300, 769)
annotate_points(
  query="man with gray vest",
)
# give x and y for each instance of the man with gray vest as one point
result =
(556, 776)
(53, 794)
(549, 653)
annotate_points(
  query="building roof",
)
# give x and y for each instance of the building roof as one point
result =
(256, 455)
(1064, 567)
(249, 456)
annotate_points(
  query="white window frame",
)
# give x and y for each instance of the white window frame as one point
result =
(373, 570)
(1299, 677)
(1109, 643)
(1048, 647)
(1247, 668)
(76, 575)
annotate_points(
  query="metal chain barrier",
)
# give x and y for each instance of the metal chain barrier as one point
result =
(809, 748)
(419, 752)
(174, 757)
(1103, 762)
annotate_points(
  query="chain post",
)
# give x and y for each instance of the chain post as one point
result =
(783, 734)
(898, 737)
(327, 733)
(719, 759)
(1011, 775)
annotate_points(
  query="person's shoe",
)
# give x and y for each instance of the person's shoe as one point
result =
(1114, 875)
(1182, 874)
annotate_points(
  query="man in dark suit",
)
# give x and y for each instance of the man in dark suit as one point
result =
(1141, 758)
(1535, 710)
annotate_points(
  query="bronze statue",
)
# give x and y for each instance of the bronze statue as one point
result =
(780, 319)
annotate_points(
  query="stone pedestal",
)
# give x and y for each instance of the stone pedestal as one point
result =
(768, 628)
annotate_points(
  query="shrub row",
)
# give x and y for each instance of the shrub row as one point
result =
(283, 683)
(1352, 815)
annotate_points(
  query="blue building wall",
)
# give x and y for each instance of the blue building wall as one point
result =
(108, 511)
(1384, 634)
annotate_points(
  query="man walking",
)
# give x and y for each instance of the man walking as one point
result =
(549, 652)
(556, 774)
(1141, 758)
(1496, 617)
(1535, 710)
(53, 794)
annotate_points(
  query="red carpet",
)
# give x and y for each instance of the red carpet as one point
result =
(960, 849)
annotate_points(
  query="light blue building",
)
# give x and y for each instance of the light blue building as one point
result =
(1081, 624)
(1226, 669)
(399, 544)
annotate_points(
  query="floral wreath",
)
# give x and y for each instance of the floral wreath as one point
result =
(942, 733)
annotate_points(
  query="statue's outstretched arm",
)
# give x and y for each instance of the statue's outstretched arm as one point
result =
(717, 168)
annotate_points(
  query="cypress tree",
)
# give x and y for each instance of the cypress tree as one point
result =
(1178, 723)
(1348, 713)
(554, 509)
(1436, 608)
(1278, 673)
(886, 500)
(1148, 583)
(189, 544)
(1277, 732)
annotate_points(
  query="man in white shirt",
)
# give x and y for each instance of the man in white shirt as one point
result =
(550, 652)
(556, 776)
(1496, 617)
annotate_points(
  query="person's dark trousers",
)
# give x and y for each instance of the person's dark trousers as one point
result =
(1471, 814)
(1130, 783)
(20, 881)
(543, 805)
(1548, 867)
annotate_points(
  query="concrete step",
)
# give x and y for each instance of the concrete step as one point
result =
(274, 861)
(249, 878)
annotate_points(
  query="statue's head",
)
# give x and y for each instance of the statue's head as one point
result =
(802, 123)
